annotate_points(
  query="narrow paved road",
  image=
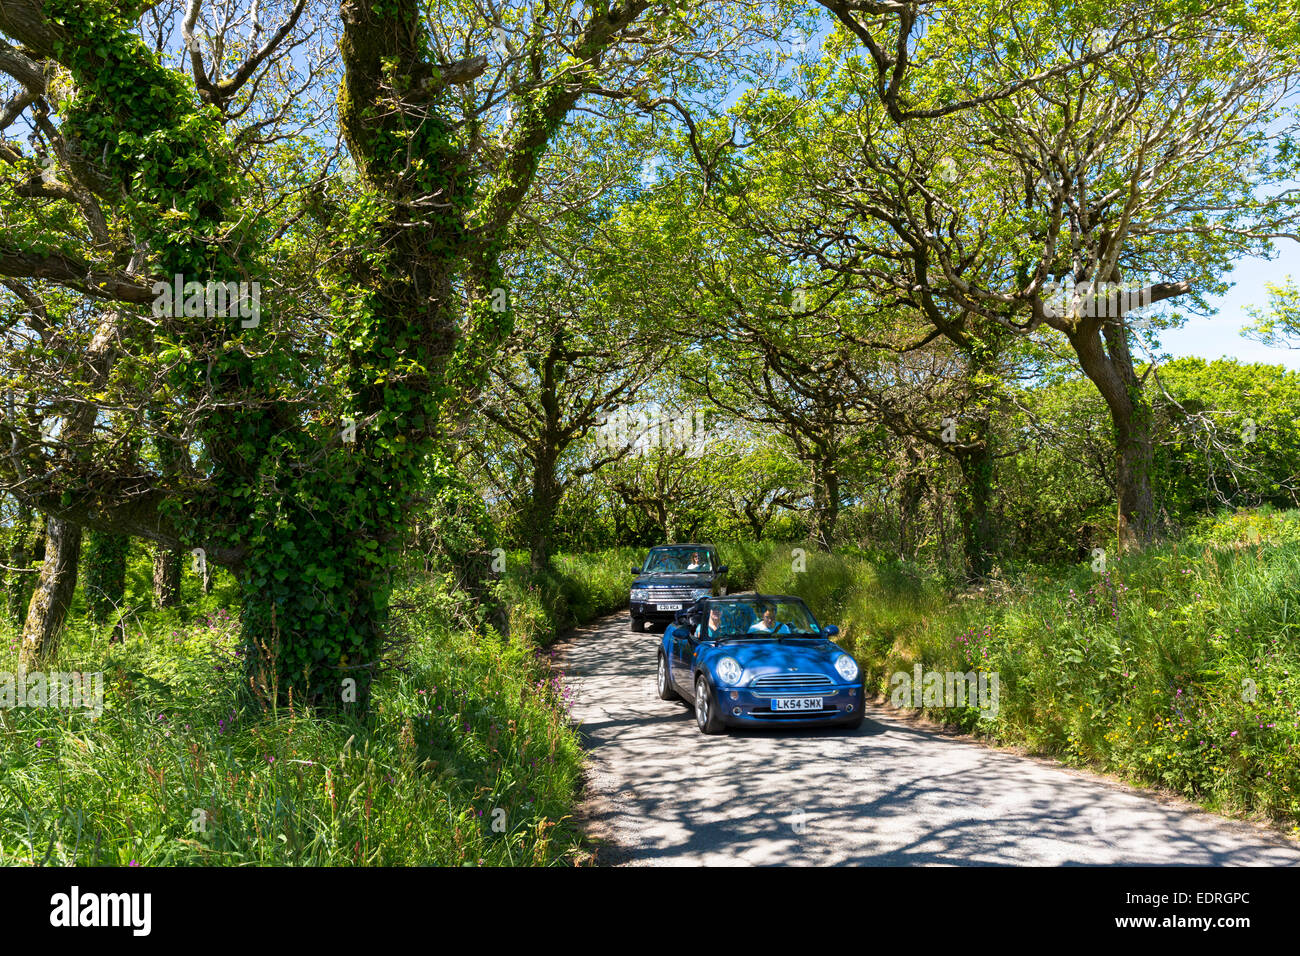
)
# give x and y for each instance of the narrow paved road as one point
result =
(889, 793)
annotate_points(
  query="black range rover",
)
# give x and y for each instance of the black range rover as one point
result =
(674, 576)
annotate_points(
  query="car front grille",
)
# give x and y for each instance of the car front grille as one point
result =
(669, 594)
(791, 682)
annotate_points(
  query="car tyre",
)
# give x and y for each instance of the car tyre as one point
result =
(706, 716)
(638, 625)
(664, 682)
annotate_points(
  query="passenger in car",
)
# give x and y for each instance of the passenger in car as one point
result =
(709, 630)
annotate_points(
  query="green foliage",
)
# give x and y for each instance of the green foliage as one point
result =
(743, 560)
(1257, 526)
(1280, 325)
(318, 519)
(1229, 435)
(576, 589)
(103, 573)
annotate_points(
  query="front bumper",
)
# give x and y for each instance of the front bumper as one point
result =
(649, 610)
(743, 707)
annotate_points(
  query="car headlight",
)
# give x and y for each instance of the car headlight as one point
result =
(728, 670)
(698, 593)
(846, 667)
(640, 594)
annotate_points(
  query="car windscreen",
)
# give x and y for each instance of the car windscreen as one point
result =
(759, 619)
(677, 560)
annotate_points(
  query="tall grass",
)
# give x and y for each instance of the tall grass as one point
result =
(466, 758)
(577, 588)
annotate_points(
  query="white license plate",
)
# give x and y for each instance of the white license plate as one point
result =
(796, 703)
(668, 607)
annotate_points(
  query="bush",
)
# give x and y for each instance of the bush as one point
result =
(744, 559)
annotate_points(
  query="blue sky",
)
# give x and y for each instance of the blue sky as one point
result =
(1219, 336)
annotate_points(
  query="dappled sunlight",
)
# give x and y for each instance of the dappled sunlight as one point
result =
(886, 794)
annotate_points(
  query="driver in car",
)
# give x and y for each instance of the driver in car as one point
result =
(696, 563)
(768, 623)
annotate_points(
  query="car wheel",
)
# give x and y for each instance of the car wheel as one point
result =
(666, 691)
(706, 716)
(638, 625)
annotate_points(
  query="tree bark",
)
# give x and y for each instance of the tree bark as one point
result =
(1111, 369)
(826, 503)
(166, 577)
(911, 493)
(53, 594)
(541, 518)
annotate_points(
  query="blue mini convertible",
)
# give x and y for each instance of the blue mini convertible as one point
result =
(753, 660)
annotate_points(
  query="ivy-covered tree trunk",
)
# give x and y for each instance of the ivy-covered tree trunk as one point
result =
(166, 577)
(974, 500)
(104, 573)
(313, 523)
(825, 503)
(53, 594)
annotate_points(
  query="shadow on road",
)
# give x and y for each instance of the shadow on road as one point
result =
(885, 794)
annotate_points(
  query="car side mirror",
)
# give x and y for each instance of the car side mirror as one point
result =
(635, 569)
(830, 630)
(723, 569)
